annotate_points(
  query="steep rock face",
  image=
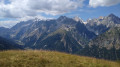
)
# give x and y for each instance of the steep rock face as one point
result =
(102, 24)
(20, 29)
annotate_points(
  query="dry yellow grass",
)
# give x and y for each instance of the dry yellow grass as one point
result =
(30, 58)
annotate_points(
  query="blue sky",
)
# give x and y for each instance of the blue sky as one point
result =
(96, 12)
(87, 12)
(13, 11)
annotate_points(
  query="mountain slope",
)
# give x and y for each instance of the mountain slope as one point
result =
(106, 45)
(50, 59)
(108, 39)
(4, 32)
(60, 40)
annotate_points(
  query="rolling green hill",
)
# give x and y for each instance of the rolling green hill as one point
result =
(49, 59)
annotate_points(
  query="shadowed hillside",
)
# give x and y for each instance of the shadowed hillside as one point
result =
(6, 44)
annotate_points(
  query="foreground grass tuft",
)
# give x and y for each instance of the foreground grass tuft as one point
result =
(37, 58)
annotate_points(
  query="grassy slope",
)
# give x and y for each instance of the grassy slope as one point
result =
(49, 59)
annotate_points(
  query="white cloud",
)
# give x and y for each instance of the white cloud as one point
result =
(8, 24)
(96, 3)
(22, 8)
(15, 9)
(55, 6)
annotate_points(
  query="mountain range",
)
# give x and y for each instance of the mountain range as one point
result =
(97, 38)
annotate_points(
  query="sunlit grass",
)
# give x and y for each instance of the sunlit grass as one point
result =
(30, 58)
